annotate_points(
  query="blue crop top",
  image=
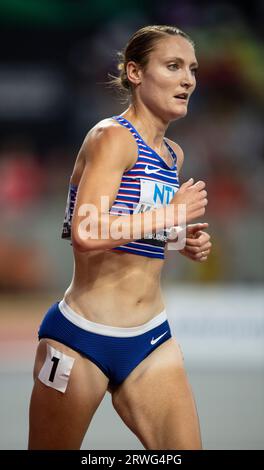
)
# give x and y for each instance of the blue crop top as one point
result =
(148, 184)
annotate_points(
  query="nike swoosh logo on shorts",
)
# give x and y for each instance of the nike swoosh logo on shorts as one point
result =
(149, 170)
(154, 341)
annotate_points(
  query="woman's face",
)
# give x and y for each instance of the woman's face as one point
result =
(170, 72)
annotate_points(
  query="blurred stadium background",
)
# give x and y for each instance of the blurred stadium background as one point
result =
(55, 58)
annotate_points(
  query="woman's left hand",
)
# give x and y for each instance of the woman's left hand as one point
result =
(198, 245)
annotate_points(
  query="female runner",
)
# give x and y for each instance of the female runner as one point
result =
(110, 332)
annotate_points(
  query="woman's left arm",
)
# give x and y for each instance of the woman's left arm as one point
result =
(198, 245)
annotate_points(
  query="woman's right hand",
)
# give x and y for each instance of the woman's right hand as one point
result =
(193, 196)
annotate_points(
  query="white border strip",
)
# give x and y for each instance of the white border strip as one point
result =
(108, 330)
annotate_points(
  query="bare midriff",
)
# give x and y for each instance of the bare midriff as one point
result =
(115, 288)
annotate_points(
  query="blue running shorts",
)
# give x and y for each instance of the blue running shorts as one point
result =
(115, 350)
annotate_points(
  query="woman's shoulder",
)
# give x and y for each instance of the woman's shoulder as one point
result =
(110, 135)
(109, 128)
(108, 139)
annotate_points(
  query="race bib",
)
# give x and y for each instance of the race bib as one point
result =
(154, 194)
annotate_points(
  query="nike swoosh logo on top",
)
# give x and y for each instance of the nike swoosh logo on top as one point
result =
(154, 341)
(149, 171)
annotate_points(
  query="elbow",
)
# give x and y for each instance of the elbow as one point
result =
(79, 246)
(81, 239)
(83, 246)
(84, 240)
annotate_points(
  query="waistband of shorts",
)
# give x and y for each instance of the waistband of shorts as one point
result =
(108, 330)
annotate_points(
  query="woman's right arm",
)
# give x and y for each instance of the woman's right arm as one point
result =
(109, 152)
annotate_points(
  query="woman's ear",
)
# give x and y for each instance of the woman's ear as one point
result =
(133, 72)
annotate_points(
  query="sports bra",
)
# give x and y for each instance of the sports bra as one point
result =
(148, 184)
